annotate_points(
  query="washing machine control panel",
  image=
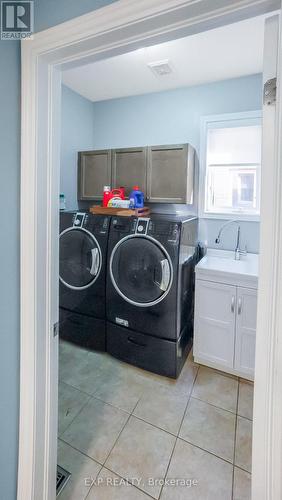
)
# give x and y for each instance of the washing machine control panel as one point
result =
(142, 225)
(79, 219)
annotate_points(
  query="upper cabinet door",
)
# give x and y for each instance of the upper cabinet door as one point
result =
(170, 174)
(94, 172)
(129, 168)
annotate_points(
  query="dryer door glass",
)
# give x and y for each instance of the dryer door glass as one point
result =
(141, 271)
(80, 258)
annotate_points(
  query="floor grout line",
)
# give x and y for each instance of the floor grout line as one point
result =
(92, 396)
(177, 437)
(116, 440)
(106, 467)
(215, 406)
(235, 437)
(83, 406)
(80, 451)
(153, 425)
(128, 480)
(246, 418)
(157, 383)
(87, 494)
(205, 450)
(76, 388)
(111, 405)
(241, 468)
(219, 372)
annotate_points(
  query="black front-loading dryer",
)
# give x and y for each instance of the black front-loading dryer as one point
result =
(82, 272)
(150, 291)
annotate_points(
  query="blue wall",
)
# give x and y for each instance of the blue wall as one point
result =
(174, 117)
(9, 262)
(47, 13)
(77, 135)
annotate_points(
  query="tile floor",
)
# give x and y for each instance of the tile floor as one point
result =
(124, 431)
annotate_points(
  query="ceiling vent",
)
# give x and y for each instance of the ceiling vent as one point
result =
(160, 68)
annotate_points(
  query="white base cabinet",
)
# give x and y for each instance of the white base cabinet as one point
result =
(245, 335)
(225, 327)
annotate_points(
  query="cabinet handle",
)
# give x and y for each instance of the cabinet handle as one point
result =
(239, 305)
(233, 304)
(133, 341)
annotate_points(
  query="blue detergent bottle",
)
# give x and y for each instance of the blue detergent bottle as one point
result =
(136, 198)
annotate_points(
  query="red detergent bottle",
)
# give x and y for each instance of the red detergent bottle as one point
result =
(118, 193)
(107, 195)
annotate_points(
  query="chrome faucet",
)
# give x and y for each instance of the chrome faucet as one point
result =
(238, 251)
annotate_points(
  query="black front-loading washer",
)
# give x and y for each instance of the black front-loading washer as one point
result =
(83, 261)
(150, 290)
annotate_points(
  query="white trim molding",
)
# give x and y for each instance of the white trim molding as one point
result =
(267, 426)
(120, 27)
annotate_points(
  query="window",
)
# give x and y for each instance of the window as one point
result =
(232, 162)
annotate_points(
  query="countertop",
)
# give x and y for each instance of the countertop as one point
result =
(220, 266)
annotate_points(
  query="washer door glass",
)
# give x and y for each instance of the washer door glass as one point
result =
(80, 258)
(140, 270)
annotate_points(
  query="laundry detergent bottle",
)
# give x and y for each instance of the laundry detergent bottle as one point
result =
(106, 195)
(136, 198)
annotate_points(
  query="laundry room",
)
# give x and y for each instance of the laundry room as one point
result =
(159, 242)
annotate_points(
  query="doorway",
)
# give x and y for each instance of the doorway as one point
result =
(43, 238)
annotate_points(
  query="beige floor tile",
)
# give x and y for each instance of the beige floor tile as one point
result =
(70, 354)
(83, 470)
(95, 430)
(83, 372)
(210, 428)
(214, 388)
(121, 387)
(242, 485)
(104, 361)
(67, 348)
(109, 486)
(70, 401)
(142, 451)
(243, 445)
(182, 385)
(163, 408)
(213, 476)
(190, 356)
(245, 401)
(187, 377)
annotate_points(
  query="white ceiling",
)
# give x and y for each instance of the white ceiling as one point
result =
(228, 52)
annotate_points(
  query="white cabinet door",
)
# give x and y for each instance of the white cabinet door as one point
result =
(215, 309)
(246, 331)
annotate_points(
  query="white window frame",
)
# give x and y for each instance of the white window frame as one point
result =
(239, 119)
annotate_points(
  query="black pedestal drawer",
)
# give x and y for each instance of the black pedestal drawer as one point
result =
(82, 330)
(156, 355)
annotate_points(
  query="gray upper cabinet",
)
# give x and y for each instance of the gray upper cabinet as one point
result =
(94, 172)
(170, 175)
(164, 173)
(129, 168)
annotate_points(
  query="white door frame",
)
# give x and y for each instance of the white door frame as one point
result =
(122, 26)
